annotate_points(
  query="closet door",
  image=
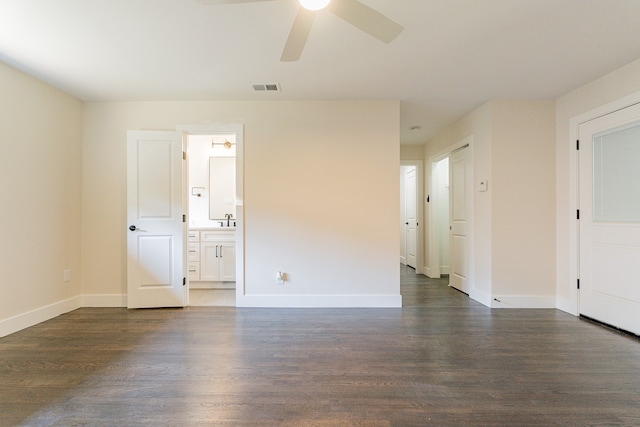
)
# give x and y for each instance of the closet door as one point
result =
(460, 186)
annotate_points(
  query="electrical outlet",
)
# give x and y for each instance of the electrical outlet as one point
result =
(66, 275)
(281, 277)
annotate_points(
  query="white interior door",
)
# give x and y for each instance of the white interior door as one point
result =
(610, 219)
(459, 186)
(411, 210)
(155, 235)
(403, 216)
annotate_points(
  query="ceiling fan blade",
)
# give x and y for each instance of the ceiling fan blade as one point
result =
(368, 20)
(214, 2)
(298, 35)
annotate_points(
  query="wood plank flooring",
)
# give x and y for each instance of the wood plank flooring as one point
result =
(442, 360)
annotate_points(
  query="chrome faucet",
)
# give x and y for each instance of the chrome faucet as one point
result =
(228, 216)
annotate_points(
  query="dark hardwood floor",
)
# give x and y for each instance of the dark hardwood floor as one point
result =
(442, 360)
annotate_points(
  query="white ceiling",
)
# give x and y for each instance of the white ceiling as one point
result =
(452, 56)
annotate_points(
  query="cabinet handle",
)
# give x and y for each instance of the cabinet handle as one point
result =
(216, 251)
(220, 251)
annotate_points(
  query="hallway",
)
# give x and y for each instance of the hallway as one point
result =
(443, 359)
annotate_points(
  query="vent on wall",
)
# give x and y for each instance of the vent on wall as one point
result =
(266, 87)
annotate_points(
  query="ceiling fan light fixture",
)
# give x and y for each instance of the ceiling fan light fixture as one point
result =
(314, 4)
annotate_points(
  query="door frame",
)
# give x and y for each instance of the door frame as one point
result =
(238, 129)
(433, 269)
(570, 288)
(419, 165)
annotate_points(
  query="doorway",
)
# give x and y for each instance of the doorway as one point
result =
(211, 190)
(411, 199)
(450, 214)
(213, 199)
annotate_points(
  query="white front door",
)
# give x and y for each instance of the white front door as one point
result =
(155, 234)
(411, 211)
(609, 162)
(459, 186)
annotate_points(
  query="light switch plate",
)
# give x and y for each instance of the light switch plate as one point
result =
(482, 185)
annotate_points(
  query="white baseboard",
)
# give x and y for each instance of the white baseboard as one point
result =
(523, 301)
(104, 300)
(320, 301)
(38, 315)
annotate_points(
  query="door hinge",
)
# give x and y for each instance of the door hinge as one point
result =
(578, 283)
(578, 214)
(184, 281)
(184, 155)
(184, 218)
(577, 144)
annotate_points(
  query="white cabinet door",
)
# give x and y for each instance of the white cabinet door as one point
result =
(155, 244)
(218, 261)
(210, 262)
(228, 261)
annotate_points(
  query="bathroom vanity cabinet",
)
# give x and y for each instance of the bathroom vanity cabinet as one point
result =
(211, 255)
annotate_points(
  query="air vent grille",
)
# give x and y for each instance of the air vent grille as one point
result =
(266, 87)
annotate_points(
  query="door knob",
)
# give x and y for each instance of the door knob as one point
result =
(133, 228)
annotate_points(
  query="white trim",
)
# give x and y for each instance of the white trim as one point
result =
(38, 315)
(523, 301)
(320, 301)
(571, 304)
(104, 300)
(419, 165)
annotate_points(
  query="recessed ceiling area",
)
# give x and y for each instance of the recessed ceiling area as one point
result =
(452, 56)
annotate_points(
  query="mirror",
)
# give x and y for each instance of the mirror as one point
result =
(222, 187)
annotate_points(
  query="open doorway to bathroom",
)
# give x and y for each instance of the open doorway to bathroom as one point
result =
(212, 218)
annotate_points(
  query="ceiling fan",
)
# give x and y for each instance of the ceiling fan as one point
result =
(354, 12)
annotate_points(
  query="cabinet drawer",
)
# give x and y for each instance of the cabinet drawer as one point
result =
(193, 252)
(193, 236)
(193, 271)
(212, 236)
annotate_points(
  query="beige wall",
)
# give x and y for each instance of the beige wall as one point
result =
(611, 88)
(513, 251)
(411, 152)
(523, 202)
(321, 191)
(40, 175)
